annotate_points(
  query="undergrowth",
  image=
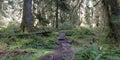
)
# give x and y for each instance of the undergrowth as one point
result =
(101, 49)
(95, 52)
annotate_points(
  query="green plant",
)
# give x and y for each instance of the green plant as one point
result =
(69, 32)
(23, 58)
(66, 25)
(95, 52)
(40, 42)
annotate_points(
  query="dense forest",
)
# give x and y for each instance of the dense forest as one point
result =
(59, 29)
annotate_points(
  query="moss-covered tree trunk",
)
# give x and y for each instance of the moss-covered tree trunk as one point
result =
(57, 14)
(93, 15)
(1, 13)
(27, 16)
(113, 14)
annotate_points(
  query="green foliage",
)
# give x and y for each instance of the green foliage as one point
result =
(33, 41)
(79, 37)
(11, 28)
(65, 7)
(69, 32)
(115, 20)
(86, 31)
(66, 58)
(65, 26)
(23, 58)
(43, 21)
(39, 42)
(95, 52)
(86, 53)
(83, 33)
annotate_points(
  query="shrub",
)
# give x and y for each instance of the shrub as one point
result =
(66, 25)
(94, 52)
(40, 42)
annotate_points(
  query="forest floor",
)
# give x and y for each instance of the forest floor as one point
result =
(87, 46)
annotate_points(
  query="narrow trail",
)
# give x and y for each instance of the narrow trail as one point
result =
(63, 51)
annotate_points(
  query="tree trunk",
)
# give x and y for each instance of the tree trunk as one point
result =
(113, 11)
(1, 4)
(27, 16)
(116, 13)
(1, 11)
(57, 14)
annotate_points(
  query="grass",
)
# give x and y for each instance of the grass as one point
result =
(102, 49)
(26, 56)
(95, 52)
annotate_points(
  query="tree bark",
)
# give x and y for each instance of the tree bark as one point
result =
(113, 11)
(57, 14)
(116, 13)
(27, 16)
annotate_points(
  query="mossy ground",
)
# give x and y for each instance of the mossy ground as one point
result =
(101, 49)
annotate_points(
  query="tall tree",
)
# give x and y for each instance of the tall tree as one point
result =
(113, 11)
(57, 14)
(27, 16)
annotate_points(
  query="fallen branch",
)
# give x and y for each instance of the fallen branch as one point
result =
(16, 51)
(44, 33)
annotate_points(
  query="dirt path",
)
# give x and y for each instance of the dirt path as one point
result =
(62, 52)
